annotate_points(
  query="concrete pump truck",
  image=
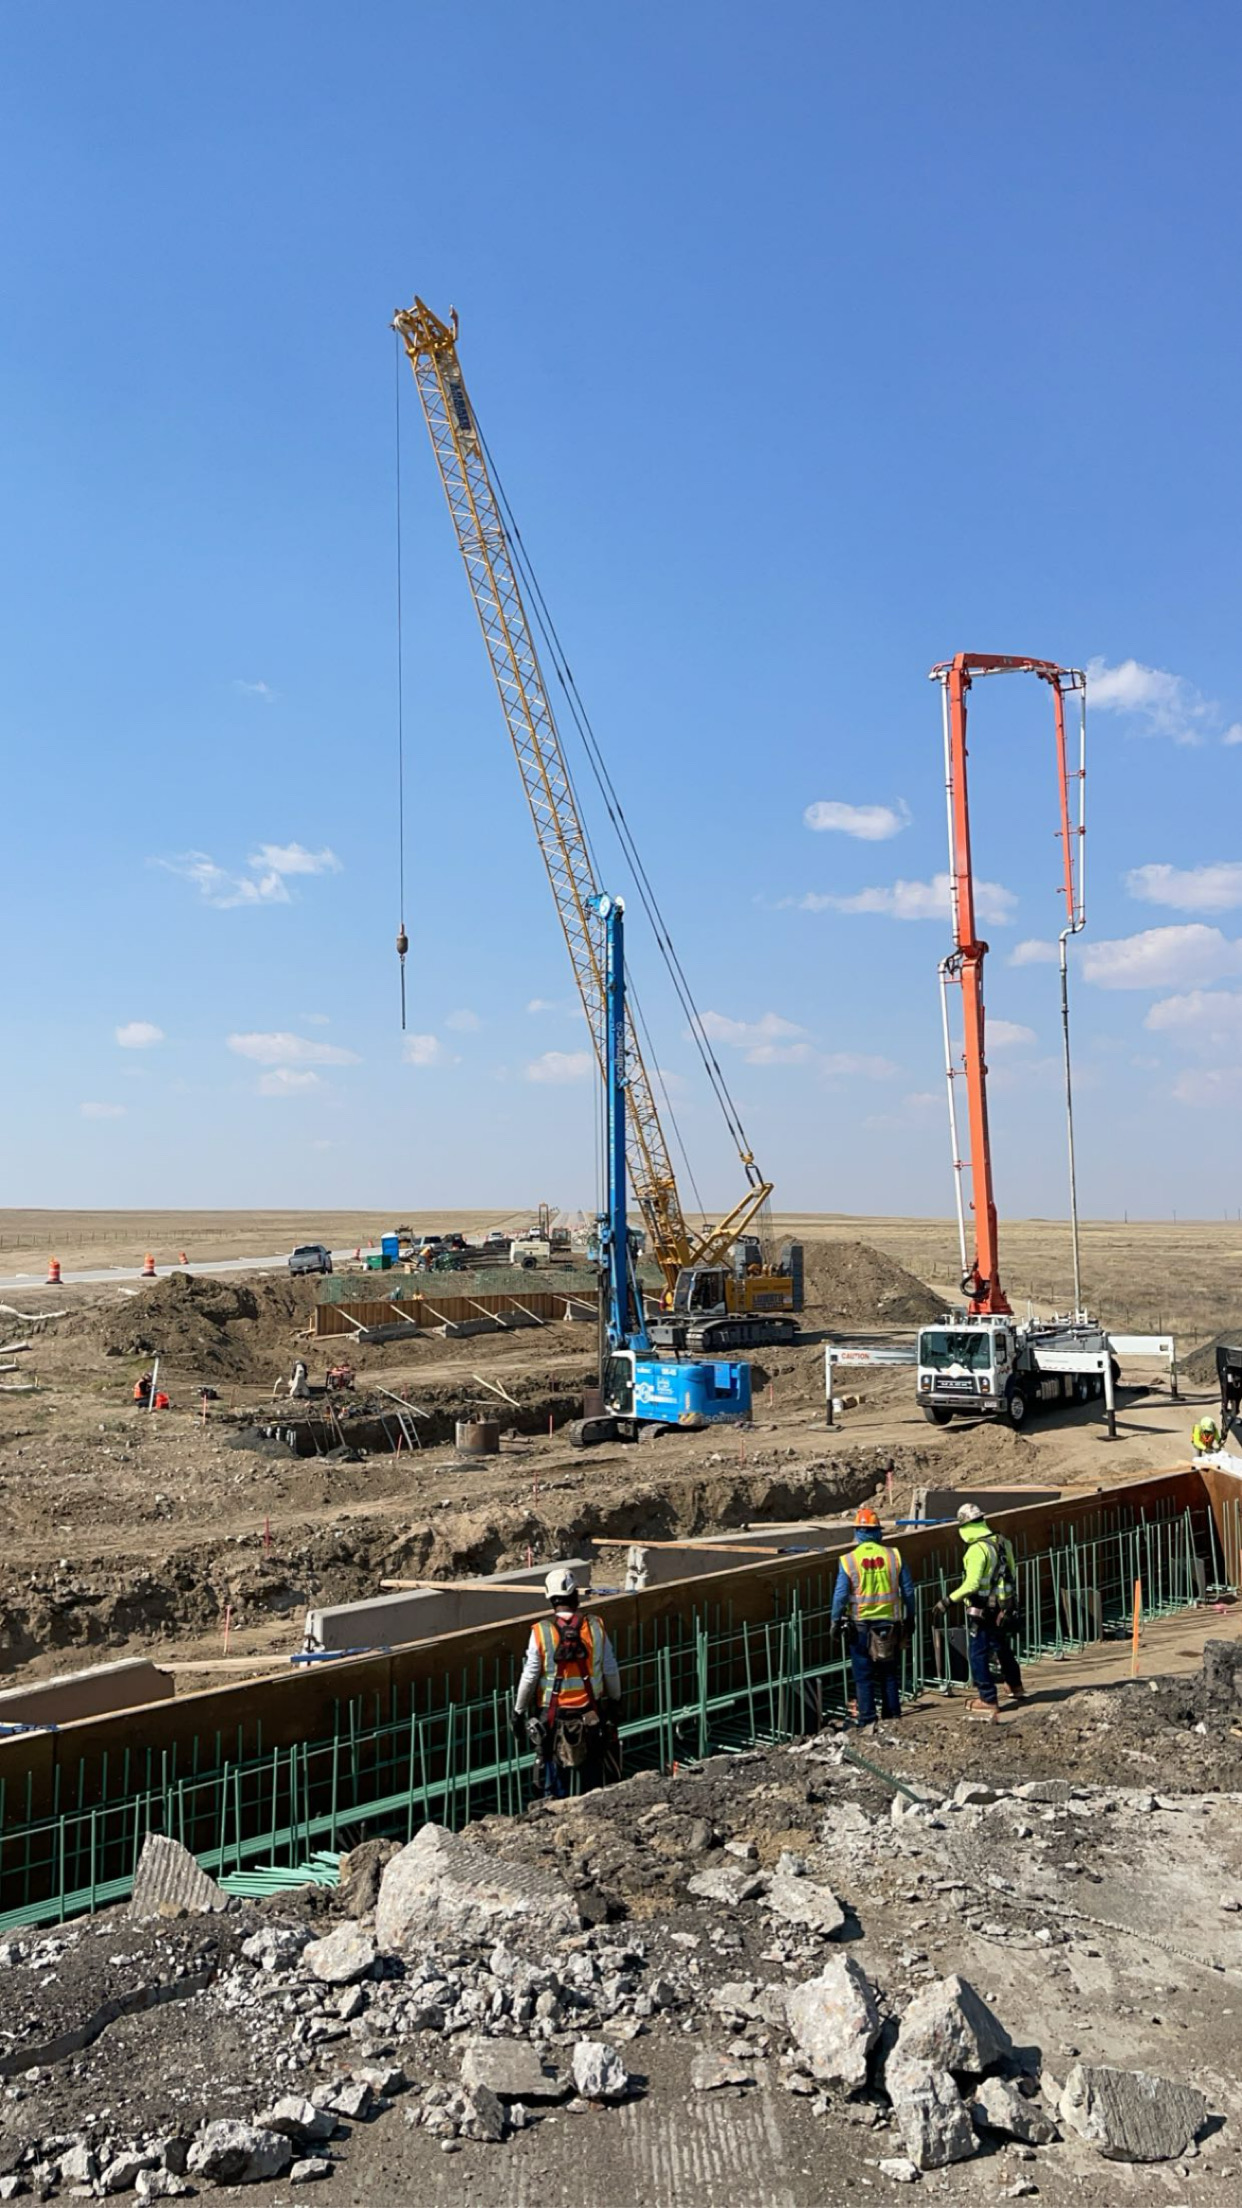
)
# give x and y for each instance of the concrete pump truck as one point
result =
(984, 1360)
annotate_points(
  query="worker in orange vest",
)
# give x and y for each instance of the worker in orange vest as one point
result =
(568, 1700)
(142, 1389)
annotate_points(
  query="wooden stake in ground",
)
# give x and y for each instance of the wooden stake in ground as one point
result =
(1138, 1615)
(228, 1620)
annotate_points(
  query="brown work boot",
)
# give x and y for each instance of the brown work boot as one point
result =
(985, 1712)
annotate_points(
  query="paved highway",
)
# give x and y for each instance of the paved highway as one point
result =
(121, 1275)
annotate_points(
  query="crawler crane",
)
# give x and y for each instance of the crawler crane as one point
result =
(718, 1293)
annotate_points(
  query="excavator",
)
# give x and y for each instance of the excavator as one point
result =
(719, 1293)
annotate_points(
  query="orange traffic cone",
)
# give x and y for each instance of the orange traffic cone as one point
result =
(358, 1252)
(53, 1272)
(182, 1259)
(148, 1267)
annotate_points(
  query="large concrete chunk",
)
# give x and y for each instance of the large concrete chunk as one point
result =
(168, 1879)
(298, 2119)
(1131, 2116)
(443, 1886)
(949, 2027)
(999, 2106)
(834, 2020)
(512, 2069)
(805, 1902)
(599, 2073)
(932, 2117)
(342, 1956)
(239, 2154)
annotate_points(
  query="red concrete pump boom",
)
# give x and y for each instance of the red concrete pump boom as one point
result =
(981, 1281)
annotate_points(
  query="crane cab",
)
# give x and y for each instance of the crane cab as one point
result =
(644, 1396)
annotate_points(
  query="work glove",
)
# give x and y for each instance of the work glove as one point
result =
(517, 1724)
(535, 1732)
(842, 1627)
(940, 1609)
(612, 1713)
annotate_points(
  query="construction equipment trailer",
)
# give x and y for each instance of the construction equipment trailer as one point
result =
(719, 1291)
(983, 1360)
(643, 1395)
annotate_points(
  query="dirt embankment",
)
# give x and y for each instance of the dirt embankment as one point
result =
(202, 1327)
(852, 1284)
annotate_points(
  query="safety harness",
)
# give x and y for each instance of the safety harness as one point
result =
(567, 1734)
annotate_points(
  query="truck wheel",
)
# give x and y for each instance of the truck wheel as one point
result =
(1017, 1409)
(936, 1415)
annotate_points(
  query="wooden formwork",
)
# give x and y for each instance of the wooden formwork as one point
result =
(435, 1309)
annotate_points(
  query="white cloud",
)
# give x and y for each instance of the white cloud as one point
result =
(1208, 1019)
(290, 1050)
(1166, 704)
(917, 901)
(780, 1054)
(139, 1035)
(102, 1111)
(465, 1023)
(1033, 953)
(1163, 958)
(743, 1034)
(912, 1111)
(561, 1065)
(426, 1050)
(316, 1019)
(549, 1004)
(1211, 888)
(1211, 1085)
(261, 690)
(293, 858)
(1233, 734)
(869, 823)
(851, 1065)
(265, 884)
(1007, 1034)
(287, 1081)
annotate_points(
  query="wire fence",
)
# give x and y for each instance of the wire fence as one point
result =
(694, 1685)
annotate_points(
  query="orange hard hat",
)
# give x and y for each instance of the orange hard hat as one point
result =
(866, 1517)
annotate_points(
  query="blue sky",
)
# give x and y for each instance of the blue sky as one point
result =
(815, 343)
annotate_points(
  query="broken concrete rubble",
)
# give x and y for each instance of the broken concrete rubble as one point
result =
(169, 1880)
(344, 1955)
(232, 2153)
(511, 2069)
(1131, 2116)
(999, 2105)
(599, 2073)
(931, 2115)
(443, 1885)
(835, 2022)
(950, 2027)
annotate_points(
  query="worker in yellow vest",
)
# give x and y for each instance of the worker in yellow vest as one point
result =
(872, 1604)
(1205, 1437)
(568, 1700)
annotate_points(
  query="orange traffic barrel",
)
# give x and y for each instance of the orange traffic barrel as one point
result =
(148, 1267)
(53, 1272)
(182, 1259)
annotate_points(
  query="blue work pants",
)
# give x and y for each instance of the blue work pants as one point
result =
(985, 1640)
(870, 1674)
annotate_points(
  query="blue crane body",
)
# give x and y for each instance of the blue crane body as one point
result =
(641, 1392)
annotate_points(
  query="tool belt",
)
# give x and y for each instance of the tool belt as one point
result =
(572, 1738)
(885, 1639)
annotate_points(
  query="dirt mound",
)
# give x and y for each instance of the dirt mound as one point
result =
(213, 1327)
(1201, 1364)
(852, 1284)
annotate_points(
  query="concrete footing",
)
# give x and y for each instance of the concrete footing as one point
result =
(93, 1693)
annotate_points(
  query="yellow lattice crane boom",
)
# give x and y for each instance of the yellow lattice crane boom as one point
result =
(431, 345)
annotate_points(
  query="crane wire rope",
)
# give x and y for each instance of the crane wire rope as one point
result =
(616, 815)
(403, 941)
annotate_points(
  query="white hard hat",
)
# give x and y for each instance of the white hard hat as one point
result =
(969, 1514)
(560, 1585)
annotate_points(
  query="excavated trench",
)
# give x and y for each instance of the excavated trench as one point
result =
(131, 1600)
